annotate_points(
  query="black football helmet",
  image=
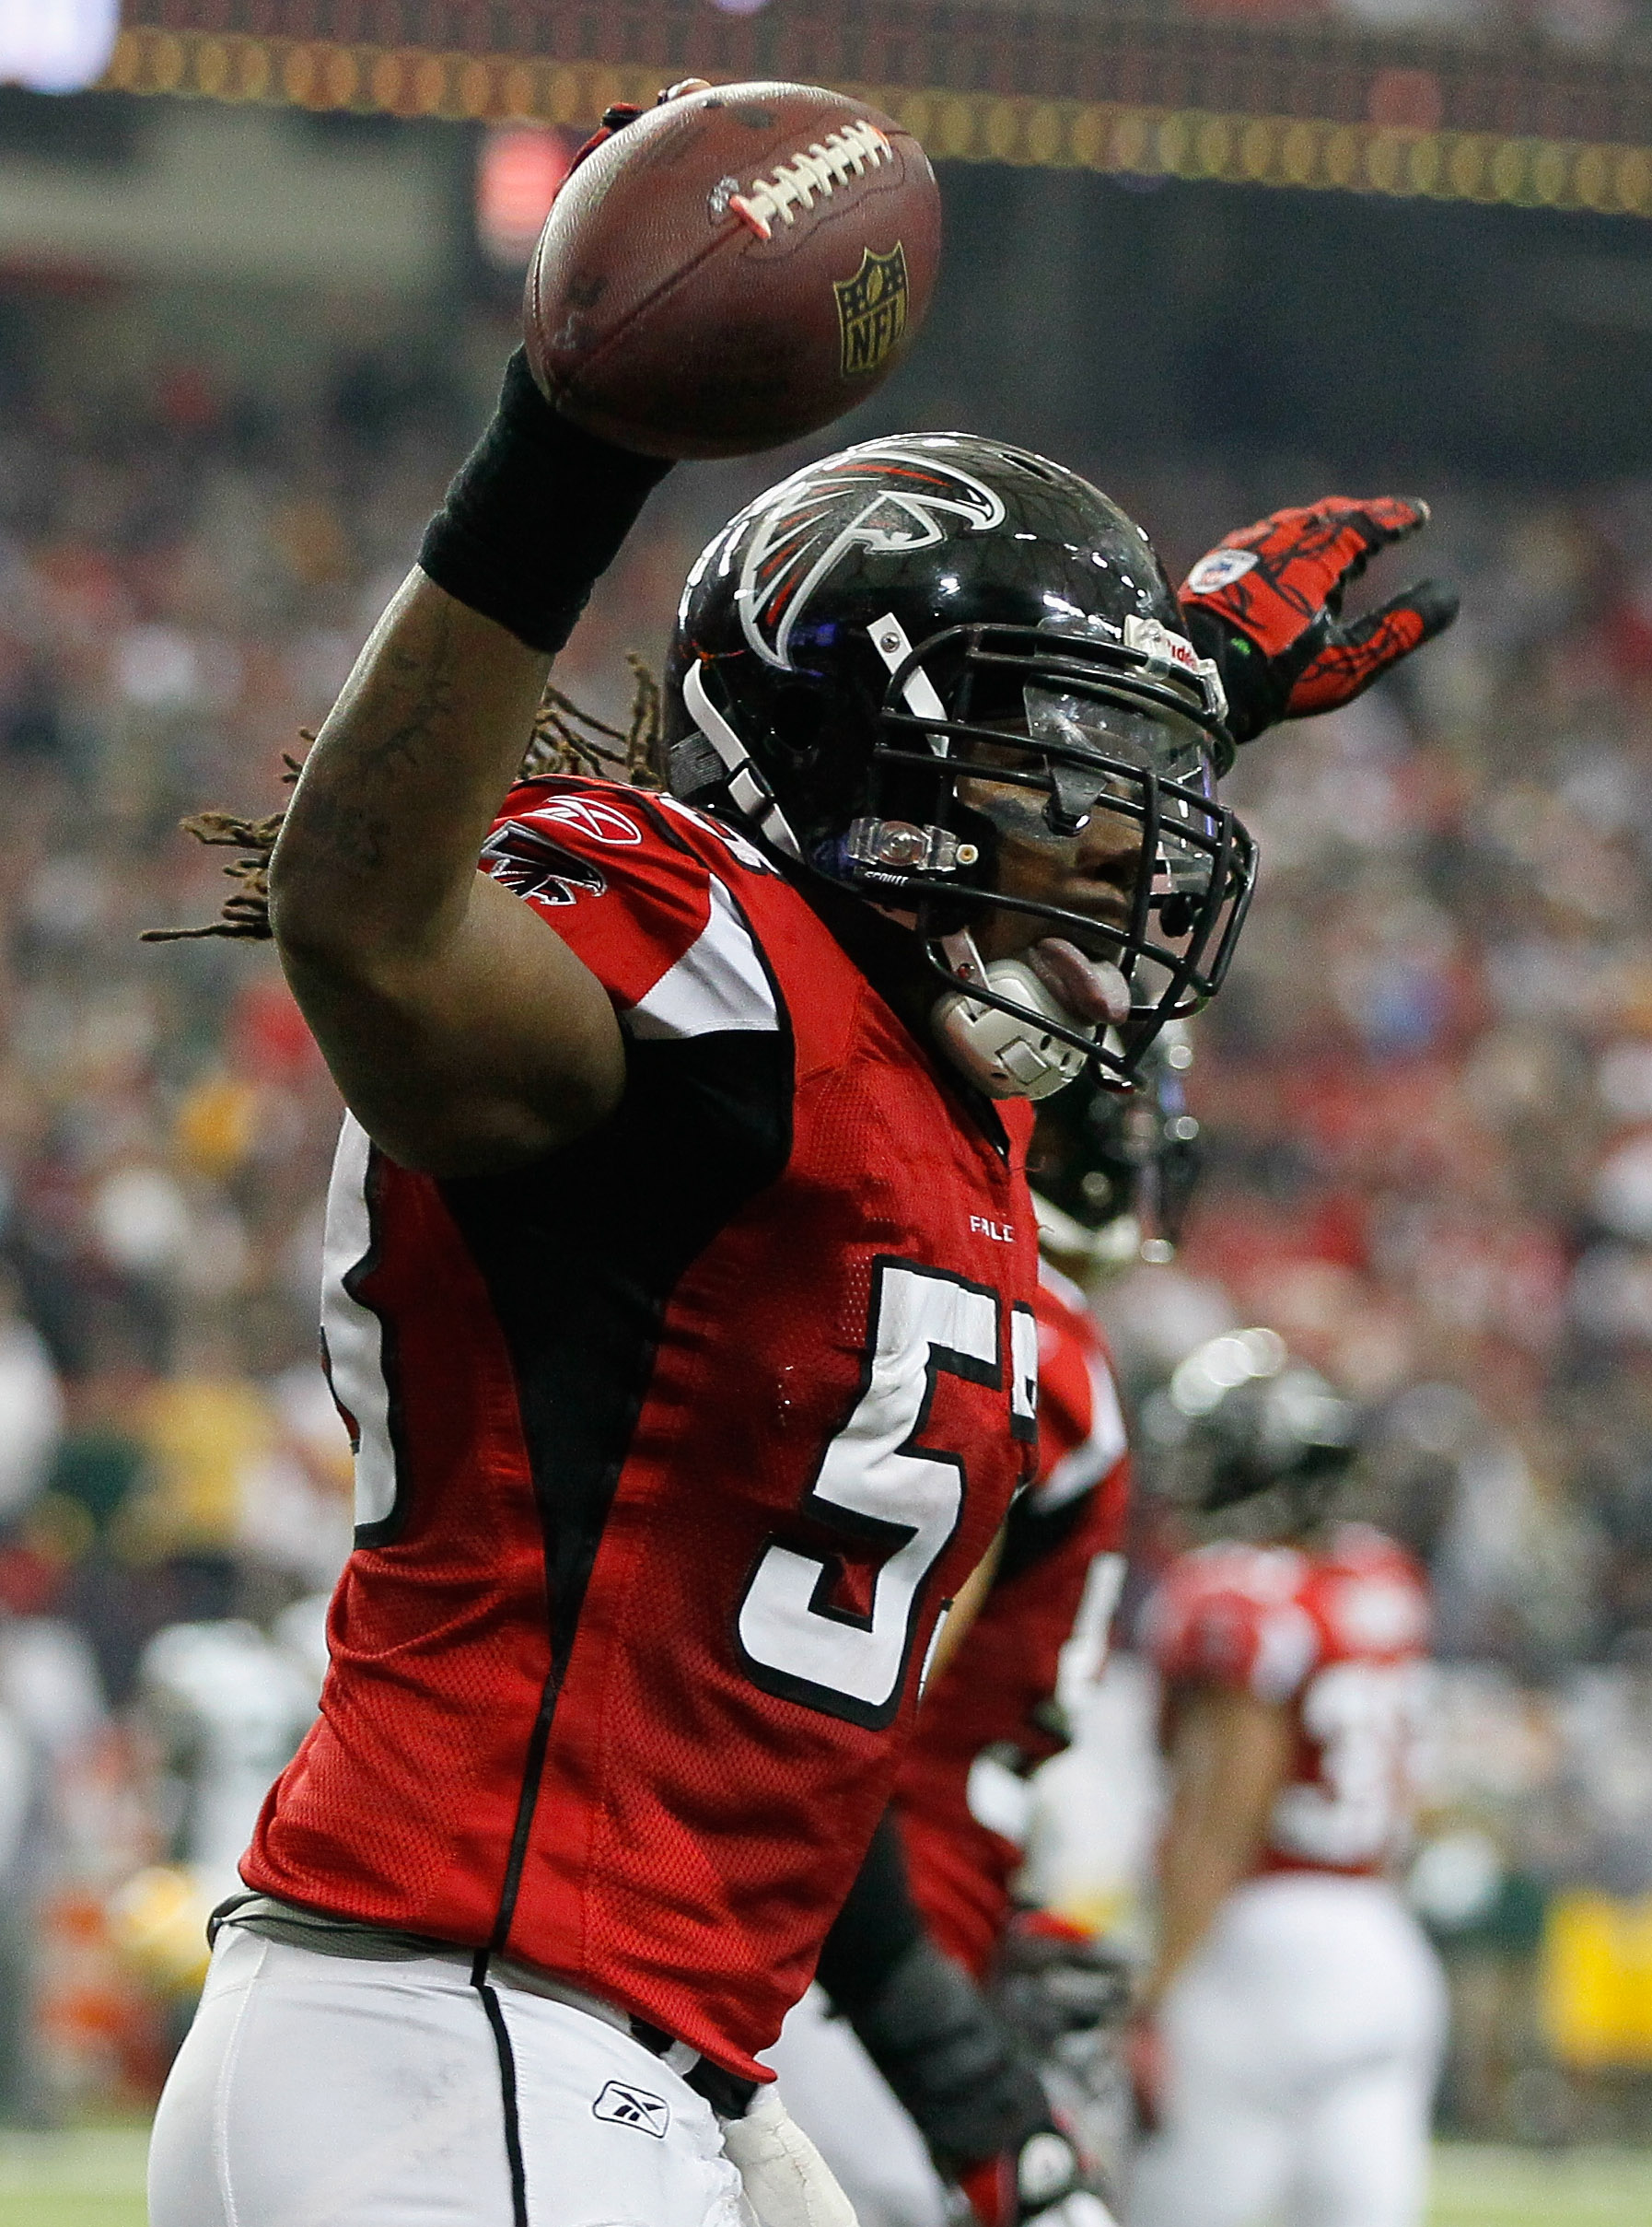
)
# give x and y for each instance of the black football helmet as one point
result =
(1113, 1175)
(1241, 1417)
(869, 634)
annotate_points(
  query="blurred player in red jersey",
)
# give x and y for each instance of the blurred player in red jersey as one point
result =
(1294, 2018)
(679, 1274)
(989, 2081)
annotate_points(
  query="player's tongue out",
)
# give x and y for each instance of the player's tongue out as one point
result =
(1091, 989)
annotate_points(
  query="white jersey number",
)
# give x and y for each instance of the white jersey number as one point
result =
(877, 1486)
(1362, 1715)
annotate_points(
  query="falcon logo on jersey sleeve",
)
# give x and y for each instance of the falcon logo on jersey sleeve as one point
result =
(870, 498)
(527, 859)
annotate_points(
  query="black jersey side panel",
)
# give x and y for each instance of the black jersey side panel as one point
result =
(581, 1254)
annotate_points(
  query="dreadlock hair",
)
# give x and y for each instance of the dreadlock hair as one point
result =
(566, 739)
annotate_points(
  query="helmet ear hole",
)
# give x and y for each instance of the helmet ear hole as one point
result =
(800, 723)
(805, 731)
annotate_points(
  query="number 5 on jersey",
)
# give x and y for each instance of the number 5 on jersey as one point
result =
(880, 1486)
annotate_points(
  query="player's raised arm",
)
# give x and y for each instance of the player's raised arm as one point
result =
(462, 1031)
(664, 314)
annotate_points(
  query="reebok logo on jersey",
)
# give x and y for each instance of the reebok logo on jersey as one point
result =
(603, 822)
(629, 2106)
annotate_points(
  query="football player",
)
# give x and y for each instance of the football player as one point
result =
(979, 2077)
(679, 1277)
(1292, 2022)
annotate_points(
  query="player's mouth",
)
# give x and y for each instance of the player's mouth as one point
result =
(1092, 990)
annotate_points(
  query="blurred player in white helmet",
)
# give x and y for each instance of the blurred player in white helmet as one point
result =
(996, 2025)
(223, 1705)
(1290, 2033)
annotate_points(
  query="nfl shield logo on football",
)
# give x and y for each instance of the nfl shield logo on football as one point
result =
(872, 310)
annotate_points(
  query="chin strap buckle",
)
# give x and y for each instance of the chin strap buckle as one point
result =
(906, 847)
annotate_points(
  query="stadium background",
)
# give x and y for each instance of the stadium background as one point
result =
(258, 261)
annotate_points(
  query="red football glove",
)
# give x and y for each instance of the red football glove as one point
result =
(1266, 604)
(1041, 2181)
(626, 111)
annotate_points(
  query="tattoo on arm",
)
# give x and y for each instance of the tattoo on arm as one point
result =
(426, 677)
(346, 816)
(346, 832)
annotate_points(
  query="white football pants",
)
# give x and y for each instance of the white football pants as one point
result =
(1303, 2042)
(318, 2091)
(841, 2100)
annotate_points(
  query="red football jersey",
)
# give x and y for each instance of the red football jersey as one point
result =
(1339, 1634)
(669, 1450)
(1041, 1629)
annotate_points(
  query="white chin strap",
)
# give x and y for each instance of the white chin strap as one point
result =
(1006, 1054)
(749, 791)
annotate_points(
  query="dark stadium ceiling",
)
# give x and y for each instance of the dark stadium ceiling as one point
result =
(1126, 91)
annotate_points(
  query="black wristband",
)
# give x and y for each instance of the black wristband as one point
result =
(964, 2078)
(961, 2073)
(1257, 687)
(535, 515)
(877, 1926)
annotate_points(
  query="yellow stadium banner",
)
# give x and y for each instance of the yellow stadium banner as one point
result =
(1317, 153)
(1218, 95)
(1596, 1979)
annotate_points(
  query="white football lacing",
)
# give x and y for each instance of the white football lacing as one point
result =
(824, 167)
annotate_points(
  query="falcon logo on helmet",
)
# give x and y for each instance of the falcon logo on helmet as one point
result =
(878, 496)
(931, 655)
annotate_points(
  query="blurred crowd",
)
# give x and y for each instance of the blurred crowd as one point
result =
(1426, 1107)
(1425, 1099)
(1430, 1083)
(1583, 27)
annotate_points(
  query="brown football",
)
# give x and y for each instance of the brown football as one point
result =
(734, 269)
